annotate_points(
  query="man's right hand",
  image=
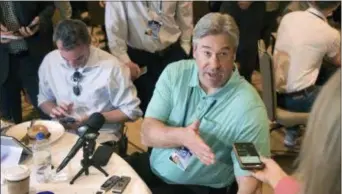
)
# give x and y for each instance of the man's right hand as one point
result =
(196, 145)
(134, 69)
(60, 111)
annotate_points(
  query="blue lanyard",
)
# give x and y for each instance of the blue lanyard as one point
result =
(187, 107)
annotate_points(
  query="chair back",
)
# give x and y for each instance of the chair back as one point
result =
(268, 85)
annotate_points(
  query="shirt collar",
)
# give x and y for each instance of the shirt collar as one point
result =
(234, 79)
(317, 13)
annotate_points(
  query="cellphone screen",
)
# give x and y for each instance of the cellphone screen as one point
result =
(247, 153)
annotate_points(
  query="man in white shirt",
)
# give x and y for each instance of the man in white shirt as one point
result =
(148, 35)
(304, 38)
(78, 79)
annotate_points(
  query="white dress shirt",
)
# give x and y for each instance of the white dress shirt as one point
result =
(126, 23)
(105, 86)
(304, 38)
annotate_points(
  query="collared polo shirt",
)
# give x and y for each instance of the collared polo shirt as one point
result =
(235, 113)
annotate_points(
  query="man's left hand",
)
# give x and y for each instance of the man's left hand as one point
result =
(31, 29)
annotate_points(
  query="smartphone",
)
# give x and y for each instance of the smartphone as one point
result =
(109, 183)
(143, 70)
(121, 185)
(10, 37)
(247, 156)
(67, 120)
(102, 155)
(17, 33)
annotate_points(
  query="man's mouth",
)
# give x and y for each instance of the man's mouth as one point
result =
(214, 75)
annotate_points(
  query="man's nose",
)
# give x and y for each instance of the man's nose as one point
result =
(214, 62)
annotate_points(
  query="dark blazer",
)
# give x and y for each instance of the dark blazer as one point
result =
(39, 44)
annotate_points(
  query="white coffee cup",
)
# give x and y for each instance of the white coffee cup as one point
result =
(17, 179)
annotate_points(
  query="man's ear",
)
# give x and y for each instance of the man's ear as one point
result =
(194, 50)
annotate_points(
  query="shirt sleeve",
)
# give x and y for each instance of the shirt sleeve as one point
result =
(45, 92)
(254, 128)
(160, 105)
(123, 94)
(117, 29)
(287, 185)
(184, 16)
(334, 46)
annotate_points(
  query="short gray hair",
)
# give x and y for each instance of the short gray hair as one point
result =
(72, 33)
(214, 24)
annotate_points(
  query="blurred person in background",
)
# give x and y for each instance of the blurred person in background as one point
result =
(319, 169)
(148, 35)
(298, 57)
(64, 8)
(249, 17)
(29, 28)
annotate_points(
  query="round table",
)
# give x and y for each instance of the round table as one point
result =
(84, 184)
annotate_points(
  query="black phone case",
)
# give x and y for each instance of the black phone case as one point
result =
(102, 155)
(243, 166)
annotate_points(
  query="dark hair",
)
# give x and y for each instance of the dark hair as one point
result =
(71, 33)
(322, 5)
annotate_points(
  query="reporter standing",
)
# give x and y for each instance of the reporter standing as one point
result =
(20, 58)
(319, 168)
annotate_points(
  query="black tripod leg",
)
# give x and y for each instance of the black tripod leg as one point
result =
(77, 175)
(100, 169)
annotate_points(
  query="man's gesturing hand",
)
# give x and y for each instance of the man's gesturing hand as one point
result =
(196, 145)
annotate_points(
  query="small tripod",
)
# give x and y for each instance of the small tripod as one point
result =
(86, 162)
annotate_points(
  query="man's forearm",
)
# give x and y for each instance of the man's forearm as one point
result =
(115, 116)
(156, 134)
(47, 107)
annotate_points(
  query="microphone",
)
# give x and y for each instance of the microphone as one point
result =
(91, 126)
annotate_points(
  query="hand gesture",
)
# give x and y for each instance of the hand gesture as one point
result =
(196, 145)
(31, 29)
(271, 174)
(134, 69)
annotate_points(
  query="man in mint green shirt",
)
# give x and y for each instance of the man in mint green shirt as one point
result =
(198, 110)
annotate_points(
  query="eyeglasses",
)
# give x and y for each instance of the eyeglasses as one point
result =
(77, 77)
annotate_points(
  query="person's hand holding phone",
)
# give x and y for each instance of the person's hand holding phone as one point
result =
(62, 110)
(134, 69)
(31, 29)
(271, 174)
(7, 36)
(196, 145)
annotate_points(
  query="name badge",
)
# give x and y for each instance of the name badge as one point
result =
(181, 157)
(153, 28)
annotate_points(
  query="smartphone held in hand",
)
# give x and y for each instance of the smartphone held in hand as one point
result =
(247, 156)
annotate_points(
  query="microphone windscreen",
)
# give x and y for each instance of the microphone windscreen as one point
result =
(95, 121)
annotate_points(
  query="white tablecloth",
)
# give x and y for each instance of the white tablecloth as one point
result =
(84, 184)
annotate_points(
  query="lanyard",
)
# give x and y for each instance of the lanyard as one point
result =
(212, 103)
(149, 7)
